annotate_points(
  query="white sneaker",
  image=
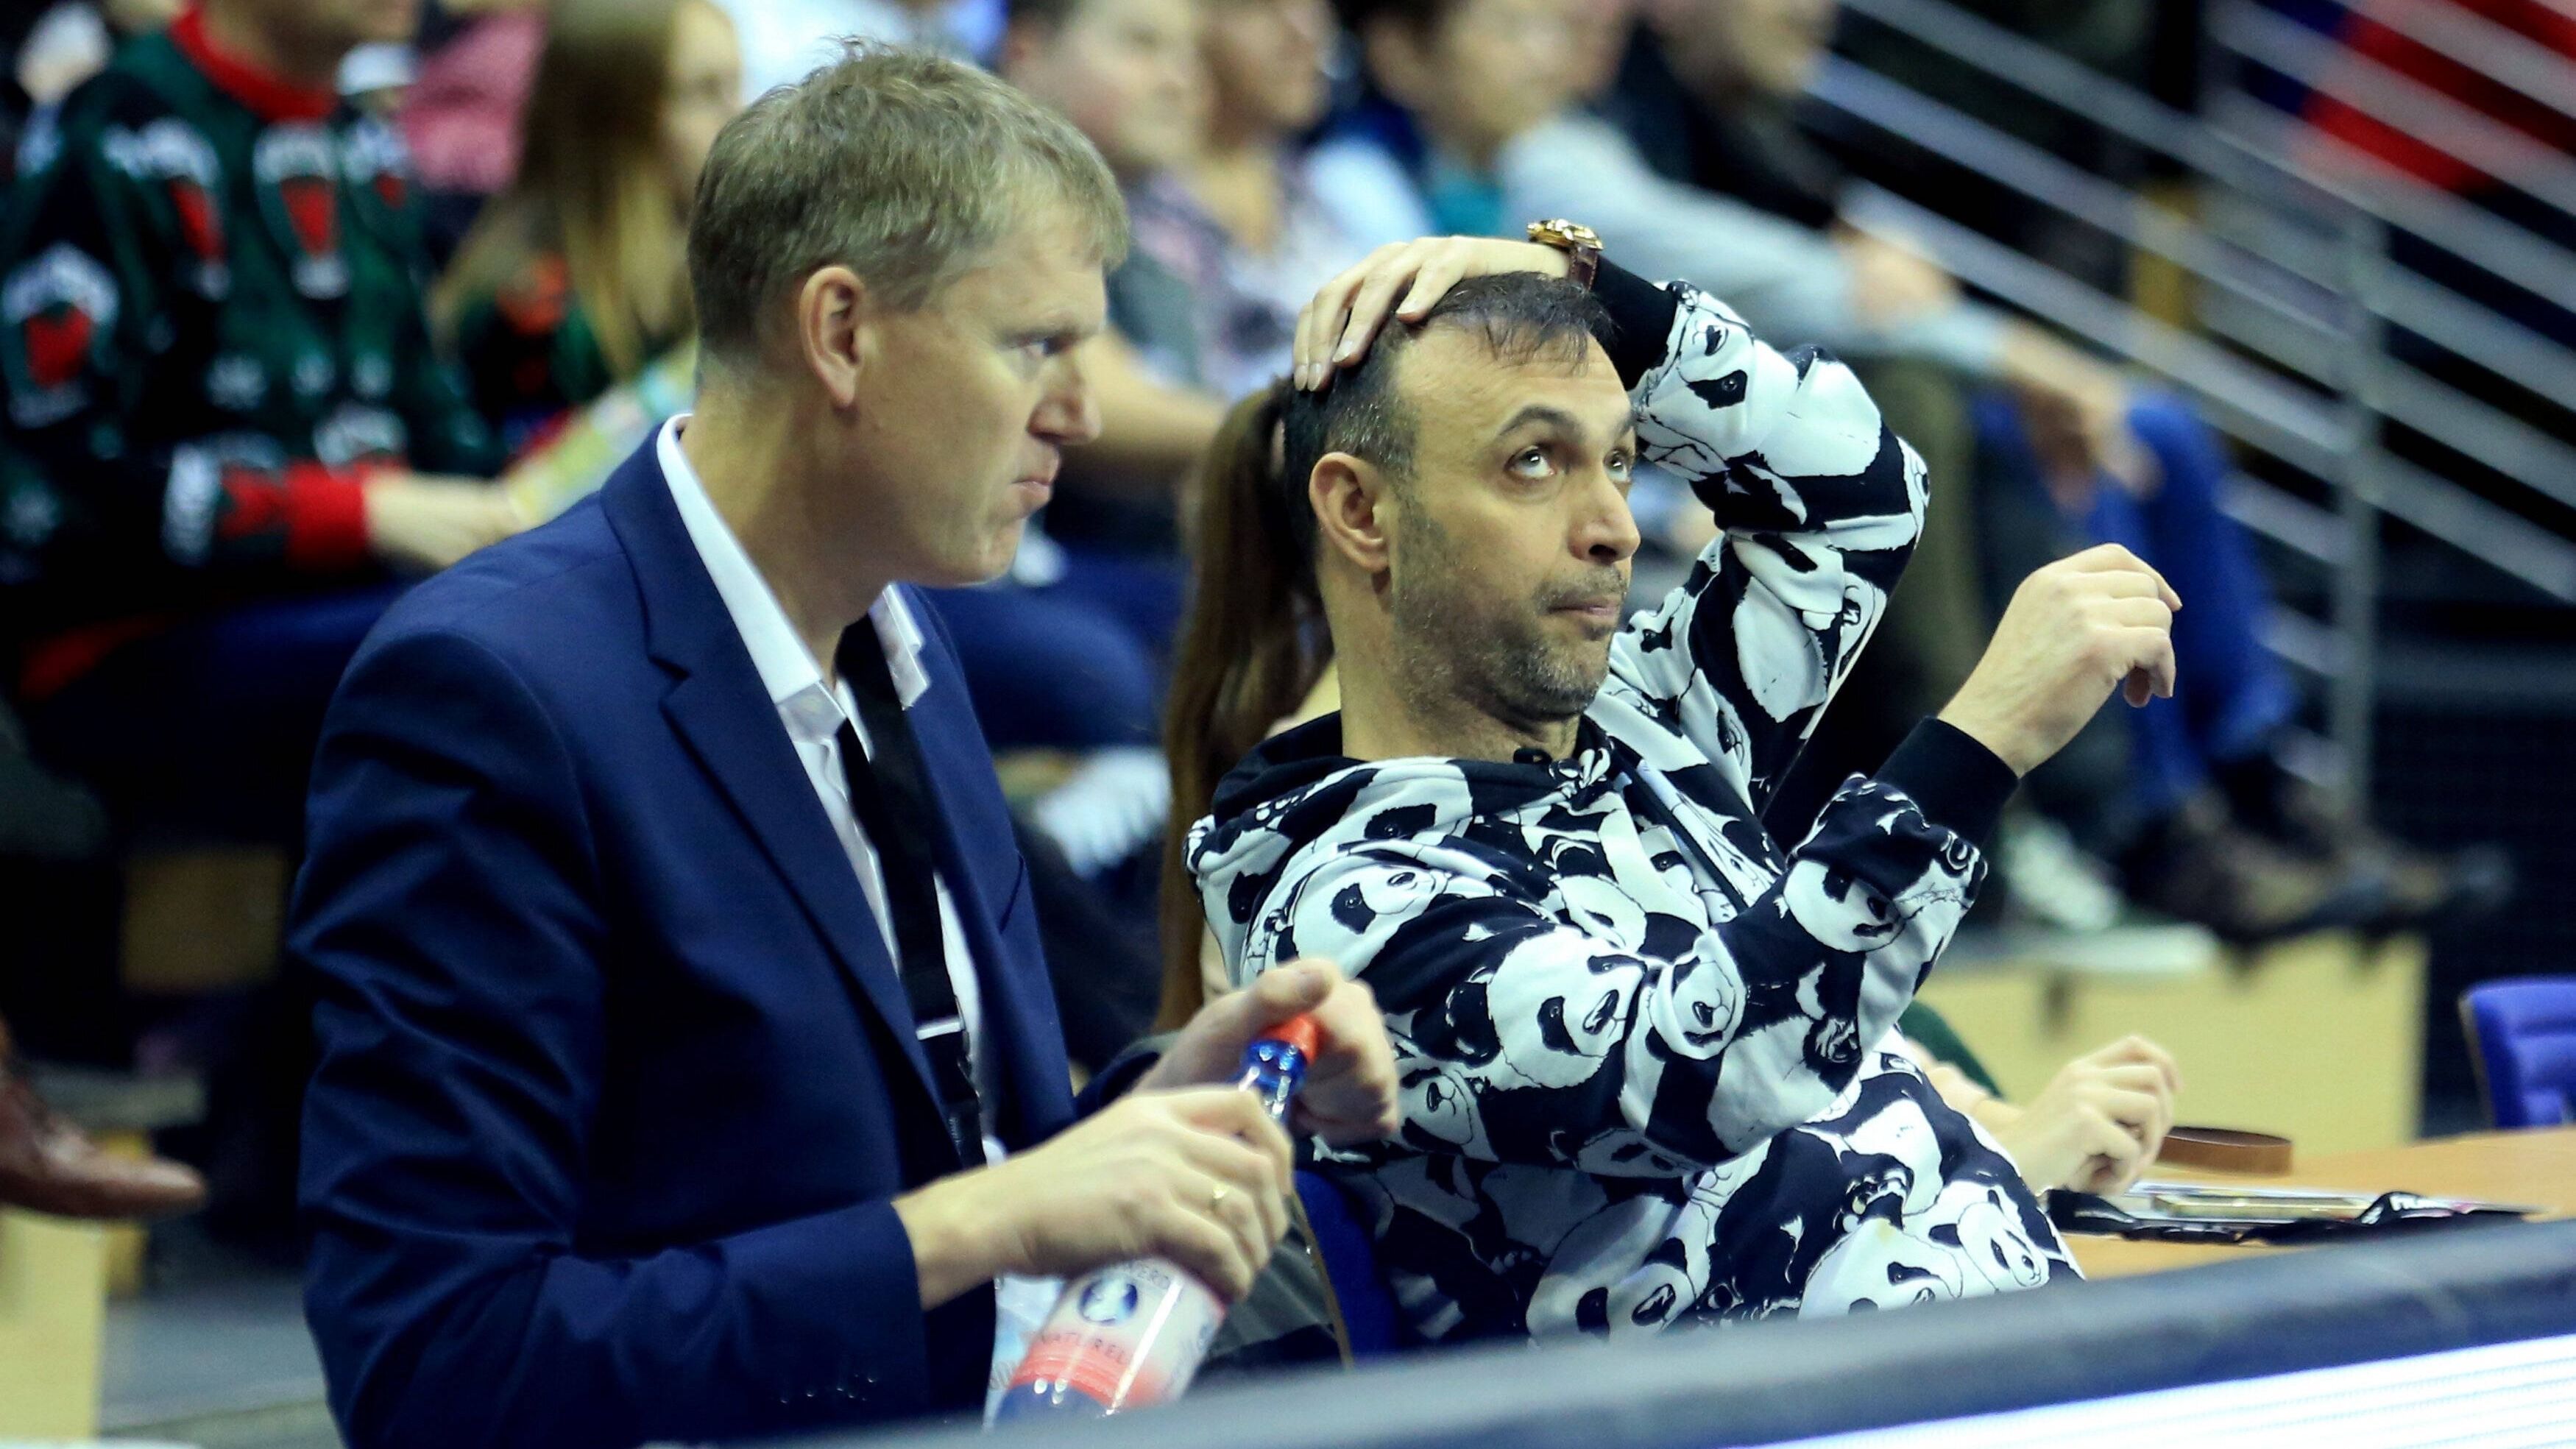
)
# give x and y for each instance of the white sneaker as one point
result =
(1110, 808)
(2048, 880)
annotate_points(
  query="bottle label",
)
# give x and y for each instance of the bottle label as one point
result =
(1125, 1337)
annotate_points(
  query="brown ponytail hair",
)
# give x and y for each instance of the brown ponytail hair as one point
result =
(1251, 651)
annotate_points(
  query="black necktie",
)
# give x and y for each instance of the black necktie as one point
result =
(890, 794)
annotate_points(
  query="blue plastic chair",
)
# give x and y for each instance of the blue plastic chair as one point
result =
(1350, 1268)
(2522, 1039)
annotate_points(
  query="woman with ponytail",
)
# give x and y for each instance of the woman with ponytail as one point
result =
(1253, 649)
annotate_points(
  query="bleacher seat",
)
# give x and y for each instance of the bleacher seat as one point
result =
(2522, 1038)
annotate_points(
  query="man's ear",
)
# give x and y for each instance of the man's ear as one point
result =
(834, 331)
(1349, 496)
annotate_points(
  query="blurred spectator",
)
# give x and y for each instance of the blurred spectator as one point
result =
(576, 277)
(784, 40)
(219, 381)
(1240, 224)
(2210, 825)
(462, 112)
(226, 424)
(1128, 74)
(1475, 133)
(51, 49)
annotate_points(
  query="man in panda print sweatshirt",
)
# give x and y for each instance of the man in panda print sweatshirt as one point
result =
(1649, 1055)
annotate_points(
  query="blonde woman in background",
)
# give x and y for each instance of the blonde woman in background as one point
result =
(575, 279)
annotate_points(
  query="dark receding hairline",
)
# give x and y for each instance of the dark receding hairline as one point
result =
(1506, 319)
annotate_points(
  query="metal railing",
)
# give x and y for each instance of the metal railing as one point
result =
(2296, 293)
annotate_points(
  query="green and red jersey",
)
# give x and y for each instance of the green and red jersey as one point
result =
(211, 327)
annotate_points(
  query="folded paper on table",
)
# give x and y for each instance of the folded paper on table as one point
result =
(2213, 1212)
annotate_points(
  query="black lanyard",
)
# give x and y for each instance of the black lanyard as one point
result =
(890, 794)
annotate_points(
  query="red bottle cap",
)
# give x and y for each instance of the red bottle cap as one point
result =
(1301, 1032)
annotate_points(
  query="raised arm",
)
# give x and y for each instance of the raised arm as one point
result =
(1614, 1045)
(1818, 506)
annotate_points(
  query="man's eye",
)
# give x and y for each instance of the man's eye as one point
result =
(1530, 462)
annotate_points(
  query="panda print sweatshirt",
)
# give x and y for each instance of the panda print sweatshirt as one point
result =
(1648, 1055)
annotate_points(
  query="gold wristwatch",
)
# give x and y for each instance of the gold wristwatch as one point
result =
(1580, 243)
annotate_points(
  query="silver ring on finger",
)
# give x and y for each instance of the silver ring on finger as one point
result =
(1216, 1199)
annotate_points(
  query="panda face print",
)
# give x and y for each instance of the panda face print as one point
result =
(1440, 1107)
(1631, 1267)
(1983, 1226)
(1560, 1008)
(1603, 910)
(1878, 1191)
(1903, 1150)
(1832, 1043)
(1708, 1004)
(1392, 892)
(1878, 1266)
(1843, 912)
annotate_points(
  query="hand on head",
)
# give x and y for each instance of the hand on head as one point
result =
(2074, 631)
(1337, 326)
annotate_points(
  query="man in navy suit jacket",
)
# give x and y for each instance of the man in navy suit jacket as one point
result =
(626, 1124)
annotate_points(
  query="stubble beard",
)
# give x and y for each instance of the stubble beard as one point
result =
(1501, 664)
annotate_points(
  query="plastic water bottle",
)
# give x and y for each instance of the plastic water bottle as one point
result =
(1132, 1335)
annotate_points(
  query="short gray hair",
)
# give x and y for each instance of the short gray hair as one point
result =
(905, 166)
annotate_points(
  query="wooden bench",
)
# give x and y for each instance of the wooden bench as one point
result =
(56, 1275)
(53, 1303)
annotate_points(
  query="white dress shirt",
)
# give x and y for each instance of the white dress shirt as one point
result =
(813, 716)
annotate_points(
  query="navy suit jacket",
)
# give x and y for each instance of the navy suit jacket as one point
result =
(617, 1076)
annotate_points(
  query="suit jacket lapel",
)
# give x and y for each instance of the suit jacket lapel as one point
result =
(720, 709)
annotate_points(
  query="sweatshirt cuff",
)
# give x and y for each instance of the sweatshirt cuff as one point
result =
(1958, 783)
(1641, 319)
(326, 518)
